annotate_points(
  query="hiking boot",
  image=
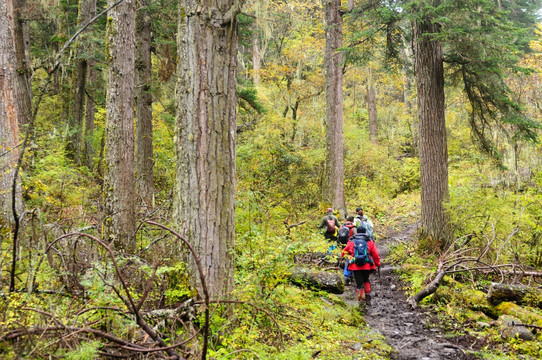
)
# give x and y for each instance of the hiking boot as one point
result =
(360, 294)
(368, 299)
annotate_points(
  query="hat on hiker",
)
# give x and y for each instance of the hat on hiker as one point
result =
(362, 229)
(329, 210)
(359, 208)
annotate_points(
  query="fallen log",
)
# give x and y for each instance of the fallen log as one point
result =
(317, 280)
(428, 290)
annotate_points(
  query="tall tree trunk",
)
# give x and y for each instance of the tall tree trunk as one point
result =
(9, 115)
(119, 130)
(433, 149)
(334, 105)
(90, 108)
(371, 104)
(204, 203)
(143, 145)
(74, 146)
(88, 150)
(22, 54)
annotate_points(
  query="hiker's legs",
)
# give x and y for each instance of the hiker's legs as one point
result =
(367, 284)
(360, 291)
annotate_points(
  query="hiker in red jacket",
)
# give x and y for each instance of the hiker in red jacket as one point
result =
(364, 259)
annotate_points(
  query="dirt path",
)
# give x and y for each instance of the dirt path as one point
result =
(405, 329)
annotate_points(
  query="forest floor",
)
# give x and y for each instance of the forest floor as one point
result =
(413, 333)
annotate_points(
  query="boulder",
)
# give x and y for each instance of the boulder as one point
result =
(318, 280)
(510, 328)
(503, 292)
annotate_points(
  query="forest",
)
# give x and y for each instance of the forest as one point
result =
(165, 166)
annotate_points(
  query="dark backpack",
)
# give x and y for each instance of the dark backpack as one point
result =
(344, 234)
(330, 225)
(361, 251)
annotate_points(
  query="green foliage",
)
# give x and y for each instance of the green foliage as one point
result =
(86, 350)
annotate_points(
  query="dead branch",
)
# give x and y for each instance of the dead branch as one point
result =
(202, 280)
(128, 301)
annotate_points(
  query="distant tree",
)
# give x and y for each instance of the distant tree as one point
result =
(204, 200)
(74, 146)
(119, 130)
(90, 106)
(9, 114)
(333, 61)
(371, 105)
(143, 98)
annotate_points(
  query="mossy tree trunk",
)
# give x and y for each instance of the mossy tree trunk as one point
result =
(334, 105)
(9, 115)
(205, 136)
(119, 129)
(143, 145)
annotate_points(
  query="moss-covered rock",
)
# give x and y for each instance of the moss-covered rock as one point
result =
(509, 329)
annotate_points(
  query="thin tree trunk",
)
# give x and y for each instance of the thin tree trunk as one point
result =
(204, 204)
(334, 105)
(143, 145)
(119, 130)
(9, 114)
(22, 54)
(371, 104)
(433, 149)
(256, 59)
(88, 131)
(407, 74)
(76, 117)
(88, 150)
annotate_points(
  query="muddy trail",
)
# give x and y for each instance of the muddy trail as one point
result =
(414, 334)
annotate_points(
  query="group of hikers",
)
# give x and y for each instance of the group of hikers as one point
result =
(355, 237)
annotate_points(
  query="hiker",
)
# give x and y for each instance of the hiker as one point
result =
(362, 218)
(364, 259)
(331, 224)
(346, 231)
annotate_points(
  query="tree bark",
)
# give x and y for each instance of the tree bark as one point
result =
(204, 204)
(22, 54)
(432, 130)
(143, 145)
(371, 104)
(9, 115)
(334, 105)
(119, 129)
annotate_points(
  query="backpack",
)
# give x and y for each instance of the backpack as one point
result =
(344, 234)
(361, 251)
(357, 222)
(330, 225)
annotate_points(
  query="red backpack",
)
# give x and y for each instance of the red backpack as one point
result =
(330, 225)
